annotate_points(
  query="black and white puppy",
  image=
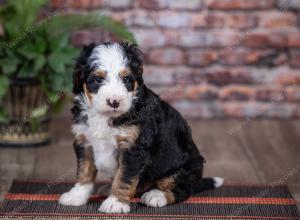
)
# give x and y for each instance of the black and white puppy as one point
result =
(126, 131)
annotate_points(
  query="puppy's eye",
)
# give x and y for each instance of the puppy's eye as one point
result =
(126, 79)
(98, 79)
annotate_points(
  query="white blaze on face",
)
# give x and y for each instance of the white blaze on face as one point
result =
(112, 60)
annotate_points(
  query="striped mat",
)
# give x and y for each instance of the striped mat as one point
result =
(39, 199)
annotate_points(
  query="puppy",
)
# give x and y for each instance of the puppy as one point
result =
(126, 131)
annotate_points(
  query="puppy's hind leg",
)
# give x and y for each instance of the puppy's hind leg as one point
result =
(86, 174)
(162, 194)
(170, 191)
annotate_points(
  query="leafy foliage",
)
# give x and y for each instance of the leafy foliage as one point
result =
(41, 48)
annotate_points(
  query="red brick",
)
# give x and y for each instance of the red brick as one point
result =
(116, 4)
(186, 75)
(257, 40)
(87, 4)
(239, 4)
(56, 3)
(216, 19)
(157, 75)
(124, 17)
(172, 37)
(170, 93)
(201, 58)
(258, 110)
(207, 20)
(278, 39)
(295, 59)
(222, 76)
(80, 38)
(173, 93)
(80, 3)
(205, 110)
(170, 4)
(284, 5)
(237, 109)
(273, 39)
(201, 92)
(277, 19)
(166, 56)
(144, 18)
(232, 57)
(173, 19)
(241, 21)
(268, 58)
(96, 3)
(293, 94)
(210, 39)
(288, 78)
(266, 39)
(149, 4)
(281, 110)
(293, 38)
(236, 92)
(149, 37)
(270, 94)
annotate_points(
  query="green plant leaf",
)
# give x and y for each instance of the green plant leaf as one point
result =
(26, 71)
(58, 83)
(20, 16)
(70, 53)
(3, 115)
(59, 42)
(34, 123)
(39, 63)
(9, 65)
(56, 62)
(32, 49)
(4, 84)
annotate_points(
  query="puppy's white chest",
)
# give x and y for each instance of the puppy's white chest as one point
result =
(101, 137)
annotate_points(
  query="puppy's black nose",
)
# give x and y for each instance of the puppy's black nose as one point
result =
(113, 104)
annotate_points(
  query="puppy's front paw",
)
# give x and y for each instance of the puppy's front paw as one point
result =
(77, 196)
(154, 198)
(113, 205)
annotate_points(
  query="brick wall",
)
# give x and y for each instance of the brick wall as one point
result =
(213, 58)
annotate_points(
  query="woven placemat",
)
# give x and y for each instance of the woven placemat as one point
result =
(39, 199)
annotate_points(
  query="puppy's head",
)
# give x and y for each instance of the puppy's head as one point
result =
(109, 75)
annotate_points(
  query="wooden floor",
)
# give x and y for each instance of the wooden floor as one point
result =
(249, 151)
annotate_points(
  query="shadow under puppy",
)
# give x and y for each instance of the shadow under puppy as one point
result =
(126, 131)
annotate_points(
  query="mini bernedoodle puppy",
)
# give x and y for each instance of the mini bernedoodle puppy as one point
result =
(126, 131)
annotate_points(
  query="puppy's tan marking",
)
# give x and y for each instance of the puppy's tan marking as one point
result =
(87, 170)
(124, 72)
(135, 86)
(166, 185)
(101, 73)
(128, 137)
(169, 196)
(81, 139)
(87, 93)
(123, 191)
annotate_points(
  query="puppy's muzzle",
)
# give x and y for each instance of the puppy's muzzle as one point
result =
(113, 103)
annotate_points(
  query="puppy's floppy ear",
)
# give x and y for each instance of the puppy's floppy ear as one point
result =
(135, 58)
(81, 68)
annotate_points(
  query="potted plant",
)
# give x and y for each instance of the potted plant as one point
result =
(36, 59)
